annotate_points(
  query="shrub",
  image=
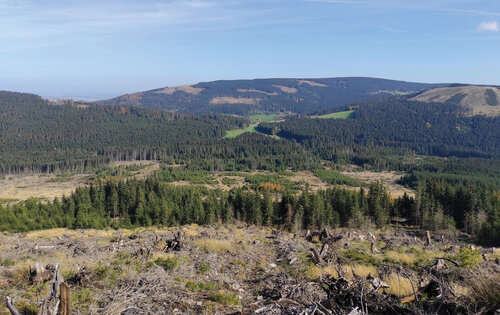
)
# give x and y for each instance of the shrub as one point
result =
(204, 268)
(468, 258)
(357, 255)
(200, 285)
(168, 263)
(7, 262)
(224, 298)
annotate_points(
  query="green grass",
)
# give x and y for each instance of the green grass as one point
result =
(234, 133)
(256, 120)
(263, 117)
(200, 285)
(335, 178)
(168, 263)
(224, 298)
(339, 115)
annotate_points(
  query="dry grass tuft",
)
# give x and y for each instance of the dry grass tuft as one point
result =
(313, 272)
(49, 233)
(400, 258)
(191, 230)
(213, 246)
(460, 290)
(485, 289)
(398, 285)
(360, 270)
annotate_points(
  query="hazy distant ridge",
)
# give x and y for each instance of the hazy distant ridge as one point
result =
(268, 95)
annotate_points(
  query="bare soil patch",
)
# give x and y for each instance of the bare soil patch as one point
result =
(387, 178)
(189, 89)
(475, 100)
(49, 186)
(312, 83)
(256, 91)
(22, 187)
(233, 100)
(286, 89)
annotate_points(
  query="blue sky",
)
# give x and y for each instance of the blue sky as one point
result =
(101, 48)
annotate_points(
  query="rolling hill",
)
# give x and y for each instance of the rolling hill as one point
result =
(245, 97)
(476, 100)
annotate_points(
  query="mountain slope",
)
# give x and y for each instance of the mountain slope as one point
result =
(245, 97)
(39, 135)
(397, 124)
(477, 100)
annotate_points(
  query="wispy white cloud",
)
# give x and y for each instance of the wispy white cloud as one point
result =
(39, 23)
(488, 27)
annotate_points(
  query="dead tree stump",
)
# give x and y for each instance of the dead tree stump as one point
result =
(50, 305)
(428, 238)
(317, 257)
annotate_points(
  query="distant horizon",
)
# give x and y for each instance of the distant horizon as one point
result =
(108, 95)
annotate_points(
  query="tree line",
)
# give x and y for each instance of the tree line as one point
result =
(147, 202)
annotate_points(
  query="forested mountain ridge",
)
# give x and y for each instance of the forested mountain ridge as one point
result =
(396, 124)
(38, 135)
(244, 97)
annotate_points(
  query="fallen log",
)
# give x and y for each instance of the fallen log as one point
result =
(43, 247)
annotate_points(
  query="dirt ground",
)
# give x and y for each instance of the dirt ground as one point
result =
(388, 179)
(22, 187)
(49, 186)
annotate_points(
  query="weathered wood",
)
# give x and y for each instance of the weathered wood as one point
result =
(43, 247)
(39, 269)
(372, 236)
(11, 307)
(40, 273)
(50, 305)
(316, 256)
(448, 259)
(440, 264)
(323, 250)
(65, 300)
(428, 238)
